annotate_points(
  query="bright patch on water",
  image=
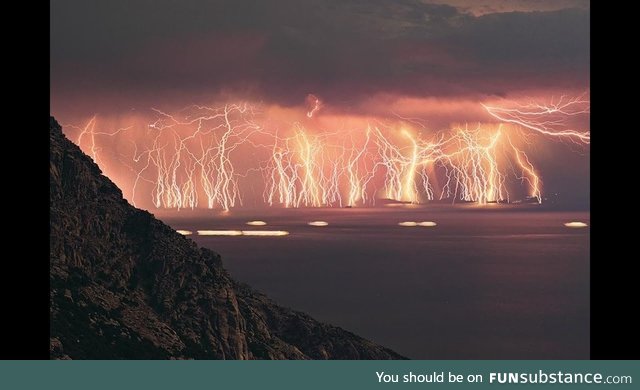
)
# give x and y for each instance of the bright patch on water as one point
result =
(219, 233)
(255, 233)
(427, 223)
(185, 232)
(407, 223)
(318, 223)
(575, 224)
(265, 233)
(256, 223)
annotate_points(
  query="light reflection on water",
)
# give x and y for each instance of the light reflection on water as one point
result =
(467, 284)
(575, 224)
(256, 223)
(219, 233)
(265, 233)
(318, 223)
(424, 224)
(232, 233)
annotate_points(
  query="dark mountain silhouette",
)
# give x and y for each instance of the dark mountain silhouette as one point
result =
(126, 286)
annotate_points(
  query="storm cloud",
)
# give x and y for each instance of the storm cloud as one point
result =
(142, 52)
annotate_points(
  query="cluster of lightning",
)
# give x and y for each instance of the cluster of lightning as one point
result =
(183, 166)
(196, 157)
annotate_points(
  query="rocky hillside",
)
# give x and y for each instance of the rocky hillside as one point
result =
(126, 286)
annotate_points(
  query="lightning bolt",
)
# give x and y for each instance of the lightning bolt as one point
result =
(314, 103)
(197, 157)
(547, 119)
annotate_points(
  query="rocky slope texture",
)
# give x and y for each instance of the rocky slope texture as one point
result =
(126, 286)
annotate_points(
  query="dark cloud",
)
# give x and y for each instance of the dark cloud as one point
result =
(482, 7)
(282, 50)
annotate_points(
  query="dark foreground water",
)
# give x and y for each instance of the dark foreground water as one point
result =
(493, 283)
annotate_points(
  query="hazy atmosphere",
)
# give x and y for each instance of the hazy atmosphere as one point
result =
(415, 171)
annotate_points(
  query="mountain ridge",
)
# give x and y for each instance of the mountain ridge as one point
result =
(124, 285)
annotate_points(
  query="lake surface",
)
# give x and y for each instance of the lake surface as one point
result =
(483, 283)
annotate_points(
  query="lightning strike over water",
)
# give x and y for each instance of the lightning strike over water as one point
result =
(215, 157)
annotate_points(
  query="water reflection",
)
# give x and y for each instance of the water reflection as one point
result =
(255, 233)
(219, 233)
(266, 233)
(256, 223)
(575, 224)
